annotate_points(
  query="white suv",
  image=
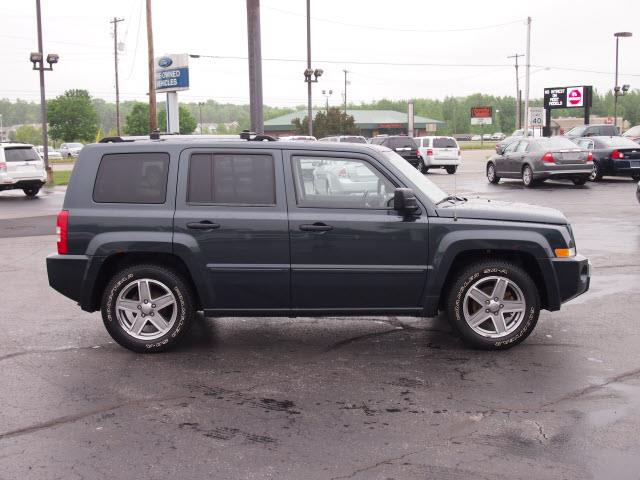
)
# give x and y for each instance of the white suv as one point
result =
(21, 168)
(439, 152)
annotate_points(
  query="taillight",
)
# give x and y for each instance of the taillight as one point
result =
(548, 157)
(459, 152)
(3, 167)
(62, 228)
(617, 155)
(590, 157)
(429, 153)
(342, 172)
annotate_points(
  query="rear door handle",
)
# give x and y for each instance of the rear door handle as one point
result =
(316, 227)
(204, 225)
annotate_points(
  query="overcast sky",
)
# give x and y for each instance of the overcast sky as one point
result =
(565, 35)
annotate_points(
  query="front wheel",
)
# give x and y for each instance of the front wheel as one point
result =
(579, 181)
(493, 304)
(636, 177)
(147, 308)
(452, 169)
(492, 176)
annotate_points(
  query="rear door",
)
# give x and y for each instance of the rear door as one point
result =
(23, 162)
(349, 250)
(231, 213)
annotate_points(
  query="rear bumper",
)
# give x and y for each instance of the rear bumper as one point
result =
(573, 172)
(573, 276)
(441, 162)
(17, 184)
(67, 273)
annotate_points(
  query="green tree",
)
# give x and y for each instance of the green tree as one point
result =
(72, 117)
(28, 134)
(137, 121)
(332, 122)
(188, 122)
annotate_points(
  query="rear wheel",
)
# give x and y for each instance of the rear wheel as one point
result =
(421, 166)
(147, 308)
(493, 304)
(492, 176)
(579, 181)
(596, 173)
(31, 191)
(636, 177)
(452, 169)
(527, 176)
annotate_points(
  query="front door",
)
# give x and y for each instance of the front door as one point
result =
(231, 219)
(350, 251)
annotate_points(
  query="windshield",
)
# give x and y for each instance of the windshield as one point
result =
(429, 188)
(576, 131)
(560, 143)
(633, 132)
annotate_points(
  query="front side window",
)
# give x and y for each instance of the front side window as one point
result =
(522, 147)
(340, 183)
(132, 178)
(231, 179)
(511, 147)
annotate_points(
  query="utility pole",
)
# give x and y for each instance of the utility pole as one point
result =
(309, 107)
(200, 104)
(345, 90)
(115, 22)
(255, 66)
(153, 114)
(518, 115)
(43, 101)
(526, 85)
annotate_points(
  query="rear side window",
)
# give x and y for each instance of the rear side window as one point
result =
(443, 142)
(132, 178)
(20, 154)
(231, 179)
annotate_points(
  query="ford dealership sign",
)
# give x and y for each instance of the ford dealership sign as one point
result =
(172, 73)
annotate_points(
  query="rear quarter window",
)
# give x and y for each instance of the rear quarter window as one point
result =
(132, 178)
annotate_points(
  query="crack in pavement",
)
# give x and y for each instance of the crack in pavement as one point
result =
(56, 422)
(377, 464)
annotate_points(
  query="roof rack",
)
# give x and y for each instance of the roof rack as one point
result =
(256, 137)
(244, 135)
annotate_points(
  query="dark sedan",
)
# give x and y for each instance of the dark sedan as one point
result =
(535, 160)
(614, 156)
(404, 146)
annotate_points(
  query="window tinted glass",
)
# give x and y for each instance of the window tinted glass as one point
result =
(20, 154)
(231, 179)
(511, 147)
(132, 178)
(401, 142)
(586, 144)
(444, 142)
(340, 183)
(377, 141)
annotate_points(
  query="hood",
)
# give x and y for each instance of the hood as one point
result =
(483, 209)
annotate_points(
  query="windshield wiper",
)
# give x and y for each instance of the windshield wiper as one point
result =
(452, 199)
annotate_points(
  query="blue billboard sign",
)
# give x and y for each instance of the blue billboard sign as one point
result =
(172, 73)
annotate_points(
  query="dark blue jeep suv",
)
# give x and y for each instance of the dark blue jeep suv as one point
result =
(154, 230)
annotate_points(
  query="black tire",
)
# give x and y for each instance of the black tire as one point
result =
(527, 177)
(468, 277)
(184, 305)
(596, 173)
(451, 170)
(421, 166)
(31, 192)
(492, 176)
(579, 181)
(636, 177)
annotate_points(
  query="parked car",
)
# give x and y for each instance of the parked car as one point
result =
(21, 168)
(535, 160)
(638, 192)
(153, 232)
(338, 176)
(404, 146)
(486, 136)
(520, 133)
(439, 152)
(70, 149)
(612, 156)
(345, 138)
(592, 131)
(498, 136)
(298, 138)
(476, 138)
(53, 154)
(633, 133)
(462, 137)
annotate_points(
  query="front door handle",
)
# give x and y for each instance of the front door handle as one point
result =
(204, 225)
(316, 227)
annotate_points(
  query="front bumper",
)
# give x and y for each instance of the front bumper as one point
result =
(573, 276)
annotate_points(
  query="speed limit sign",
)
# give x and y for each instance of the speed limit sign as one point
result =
(536, 117)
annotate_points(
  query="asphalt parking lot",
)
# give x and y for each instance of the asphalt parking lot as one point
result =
(330, 398)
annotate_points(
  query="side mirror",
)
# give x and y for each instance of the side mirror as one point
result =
(404, 200)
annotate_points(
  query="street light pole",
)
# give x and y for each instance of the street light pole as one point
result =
(115, 22)
(518, 115)
(43, 102)
(309, 108)
(616, 87)
(153, 115)
(200, 108)
(526, 85)
(255, 66)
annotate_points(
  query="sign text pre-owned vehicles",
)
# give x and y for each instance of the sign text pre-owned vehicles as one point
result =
(152, 231)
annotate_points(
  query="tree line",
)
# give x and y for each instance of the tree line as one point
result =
(76, 116)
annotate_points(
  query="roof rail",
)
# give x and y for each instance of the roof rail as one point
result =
(256, 137)
(114, 140)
